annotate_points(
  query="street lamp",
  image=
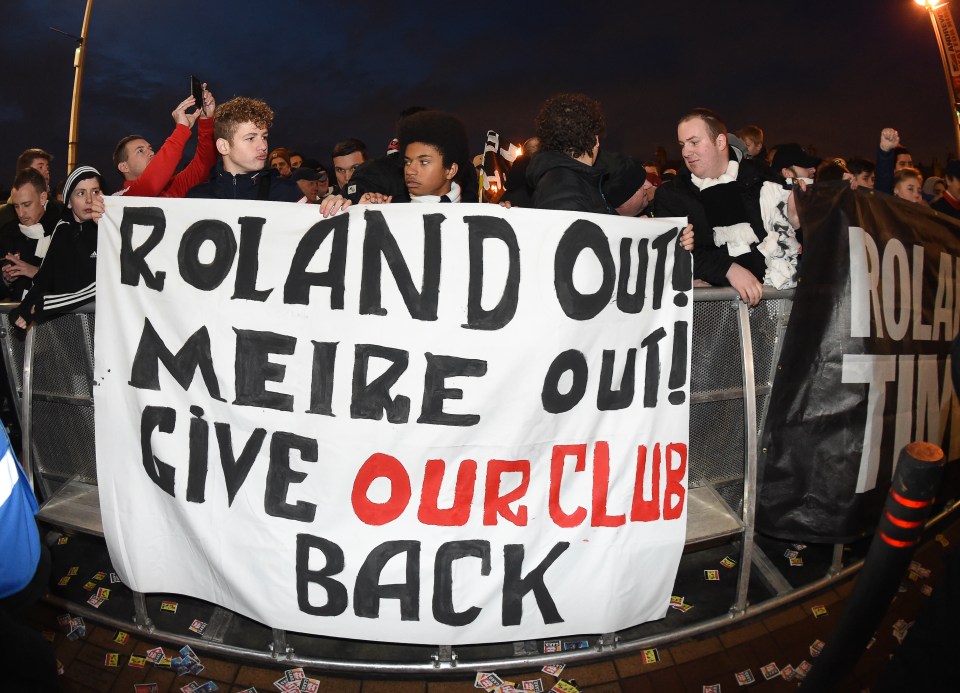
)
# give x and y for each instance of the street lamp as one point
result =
(948, 41)
(77, 86)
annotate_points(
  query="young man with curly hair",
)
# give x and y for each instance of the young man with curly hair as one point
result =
(241, 128)
(562, 174)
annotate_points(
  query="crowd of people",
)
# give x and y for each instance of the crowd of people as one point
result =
(737, 193)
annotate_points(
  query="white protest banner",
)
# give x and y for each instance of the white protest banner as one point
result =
(410, 423)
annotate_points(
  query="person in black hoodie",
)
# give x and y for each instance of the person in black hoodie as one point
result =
(68, 276)
(562, 174)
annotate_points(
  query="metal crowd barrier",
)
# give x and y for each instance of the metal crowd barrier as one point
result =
(734, 356)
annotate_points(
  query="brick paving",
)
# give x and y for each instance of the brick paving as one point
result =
(783, 637)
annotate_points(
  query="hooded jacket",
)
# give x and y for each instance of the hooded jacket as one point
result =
(561, 182)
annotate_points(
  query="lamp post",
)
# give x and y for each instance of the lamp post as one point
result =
(948, 41)
(77, 86)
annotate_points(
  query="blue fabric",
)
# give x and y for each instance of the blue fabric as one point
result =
(19, 537)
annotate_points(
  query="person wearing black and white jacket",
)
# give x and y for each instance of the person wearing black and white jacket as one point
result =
(68, 275)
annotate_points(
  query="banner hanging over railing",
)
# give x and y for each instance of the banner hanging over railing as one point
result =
(410, 423)
(865, 363)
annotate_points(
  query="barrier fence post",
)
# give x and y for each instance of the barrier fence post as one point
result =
(908, 505)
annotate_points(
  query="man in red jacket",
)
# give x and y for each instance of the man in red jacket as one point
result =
(152, 175)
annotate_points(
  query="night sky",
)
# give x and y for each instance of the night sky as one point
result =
(826, 74)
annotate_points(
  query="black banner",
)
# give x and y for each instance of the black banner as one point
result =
(864, 367)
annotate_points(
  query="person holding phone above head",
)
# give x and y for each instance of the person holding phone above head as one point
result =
(149, 174)
(67, 278)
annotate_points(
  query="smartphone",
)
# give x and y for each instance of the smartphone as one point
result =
(196, 89)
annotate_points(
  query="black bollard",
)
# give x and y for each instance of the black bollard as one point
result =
(908, 505)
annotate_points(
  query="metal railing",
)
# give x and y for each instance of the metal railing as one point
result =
(734, 356)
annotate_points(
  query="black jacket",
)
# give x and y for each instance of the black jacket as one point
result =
(265, 184)
(68, 275)
(561, 182)
(13, 241)
(716, 206)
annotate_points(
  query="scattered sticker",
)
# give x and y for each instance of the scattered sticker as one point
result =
(103, 592)
(73, 570)
(728, 562)
(819, 611)
(770, 671)
(796, 562)
(137, 661)
(111, 659)
(114, 578)
(651, 656)
(63, 540)
(95, 601)
(89, 585)
(198, 626)
(816, 647)
(155, 655)
(564, 687)
(685, 607)
(553, 669)
(799, 547)
(64, 580)
(791, 554)
(942, 540)
(208, 687)
(99, 576)
(168, 606)
(745, 677)
(712, 688)
(532, 685)
(676, 602)
(551, 646)
(788, 673)
(145, 688)
(803, 668)
(926, 590)
(487, 680)
(711, 575)
(576, 645)
(121, 637)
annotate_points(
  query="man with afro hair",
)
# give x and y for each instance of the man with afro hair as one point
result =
(562, 174)
(436, 161)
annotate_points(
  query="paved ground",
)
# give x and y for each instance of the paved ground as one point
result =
(783, 637)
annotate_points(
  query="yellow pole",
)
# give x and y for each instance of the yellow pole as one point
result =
(77, 86)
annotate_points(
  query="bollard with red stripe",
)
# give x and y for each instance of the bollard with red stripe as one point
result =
(908, 506)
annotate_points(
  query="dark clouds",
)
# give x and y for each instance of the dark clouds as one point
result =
(827, 74)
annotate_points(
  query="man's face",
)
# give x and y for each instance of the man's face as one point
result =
(279, 163)
(345, 166)
(247, 151)
(953, 187)
(904, 160)
(908, 189)
(753, 146)
(309, 189)
(296, 161)
(139, 153)
(423, 170)
(43, 167)
(705, 157)
(866, 179)
(28, 204)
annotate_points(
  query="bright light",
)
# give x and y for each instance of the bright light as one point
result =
(929, 4)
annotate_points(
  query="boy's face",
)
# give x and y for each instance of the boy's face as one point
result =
(246, 152)
(423, 170)
(82, 197)
(753, 146)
